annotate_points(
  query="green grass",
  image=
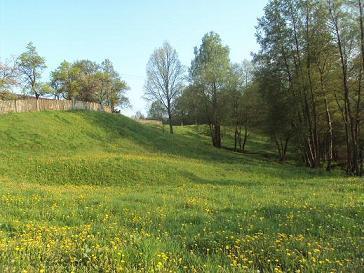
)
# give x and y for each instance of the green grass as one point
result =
(96, 192)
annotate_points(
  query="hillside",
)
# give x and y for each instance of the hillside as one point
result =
(93, 192)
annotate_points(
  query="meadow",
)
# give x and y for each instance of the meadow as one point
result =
(97, 192)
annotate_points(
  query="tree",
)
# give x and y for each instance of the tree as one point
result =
(237, 82)
(188, 107)
(247, 72)
(209, 72)
(313, 52)
(278, 115)
(87, 81)
(116, 88)
(164, 78)
(138, 115)
(31, 66)
(66, 81)
(8, 75)
(117, 95)
(343, 29)
(157, 111)
(243, 102)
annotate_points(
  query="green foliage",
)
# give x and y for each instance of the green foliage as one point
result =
(100, 192)
(310, 79)
(7, 95)
(31, 66)
(88, 81)
(8, 75)
(190, 107)
(157, 111)
(65, 80)
(211, 63)
(209, 72)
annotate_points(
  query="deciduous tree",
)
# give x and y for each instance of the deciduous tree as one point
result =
(209, 74)
(31, 66)
(164, 78)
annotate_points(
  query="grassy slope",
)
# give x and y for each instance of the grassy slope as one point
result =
(88, 191)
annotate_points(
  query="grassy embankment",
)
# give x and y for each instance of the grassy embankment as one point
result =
(92, 192)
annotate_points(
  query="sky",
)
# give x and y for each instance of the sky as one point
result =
(126, 32)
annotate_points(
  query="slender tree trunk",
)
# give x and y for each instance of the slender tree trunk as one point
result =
(347, 114)
(329, 121)
(282, 147)
(240, 143)
(361, 162)
(216, 122)
(285, 148)
(278, 147)
(170, 124)
(236, 136)
(331, 137)
(217, 135)
(301, 108)
(211, 126)
(307, 133)
(314, 134)
(358, 111)
(170, 118)
(245, 138)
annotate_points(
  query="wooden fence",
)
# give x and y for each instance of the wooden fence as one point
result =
(33, 105)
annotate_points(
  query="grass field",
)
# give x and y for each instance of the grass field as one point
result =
(92, 192)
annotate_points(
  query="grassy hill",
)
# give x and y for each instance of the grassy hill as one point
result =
(96, 192)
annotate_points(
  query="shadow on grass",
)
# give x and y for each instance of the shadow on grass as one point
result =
(153, 139)
(191, 144)
(218, 182)
(273, 176)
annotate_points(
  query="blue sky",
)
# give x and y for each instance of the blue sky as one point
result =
(126, 32)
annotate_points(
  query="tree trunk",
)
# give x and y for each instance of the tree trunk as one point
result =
(351, 158)
(282, 147)
(331, 137)
(217, 135)
(170, 118)
(313, 124)
(361, 162)
(329, 122)
(358, 111)
(236, 136)
(245, 138)
(212, 134)
(278, 147)
(240, 144)
(285, 149)
(306, 127)
(170, 124)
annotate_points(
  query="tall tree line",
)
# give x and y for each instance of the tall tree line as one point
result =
(313, 52)
(303, 88)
